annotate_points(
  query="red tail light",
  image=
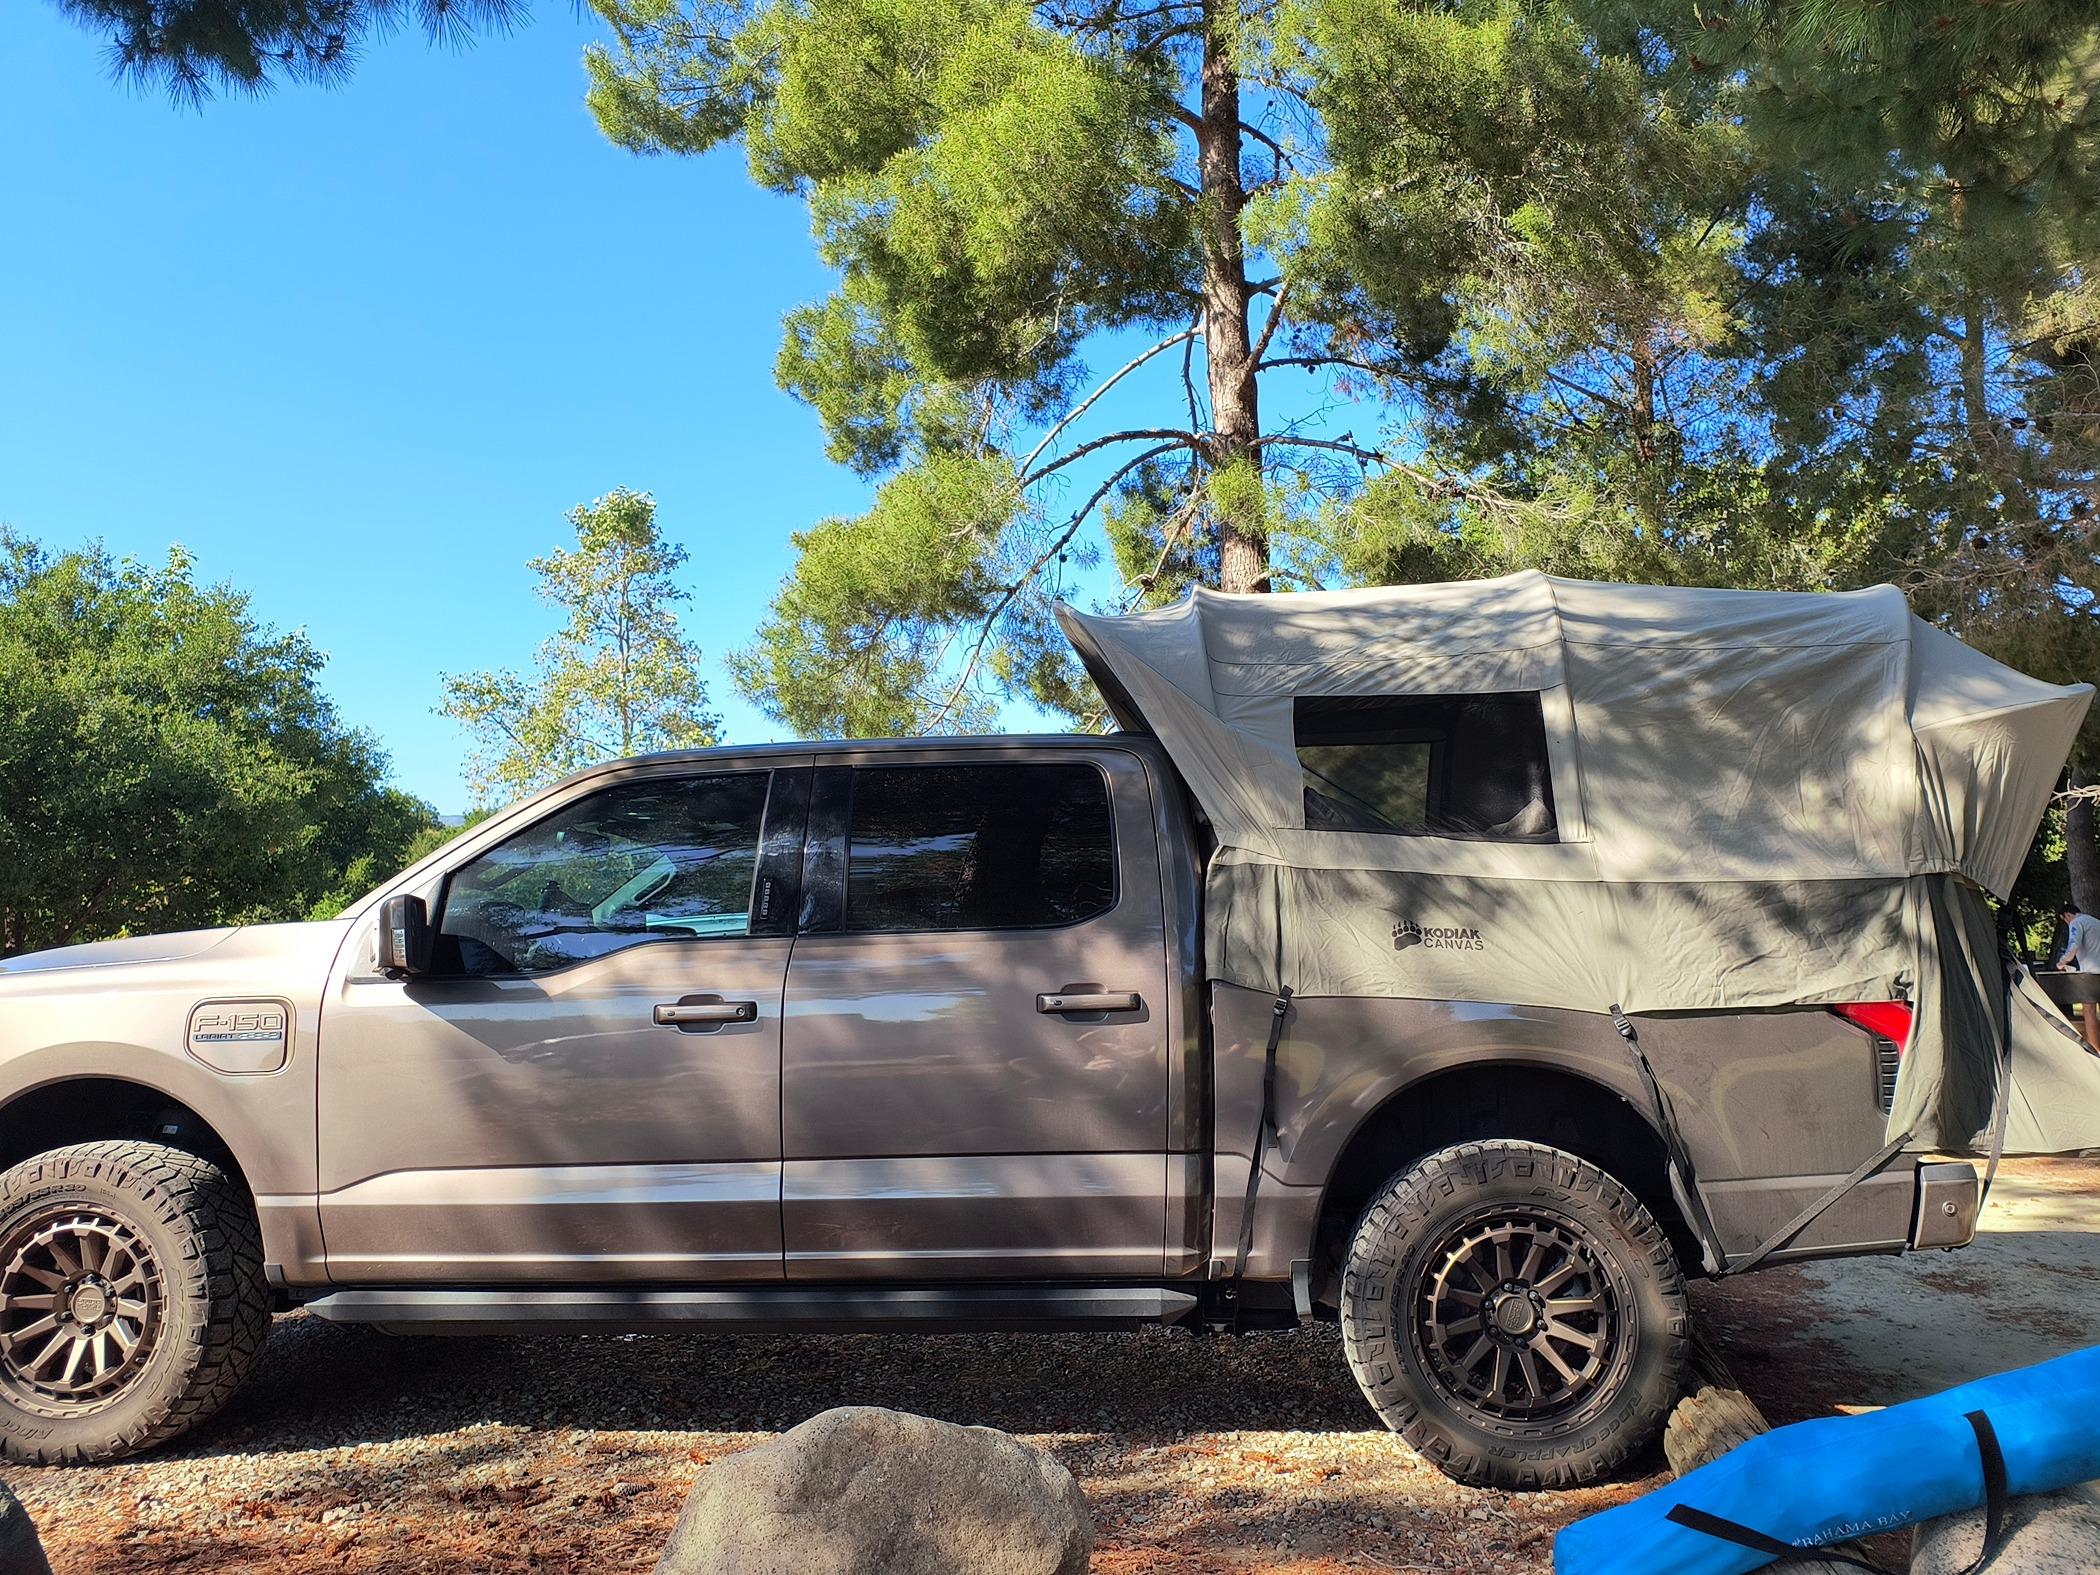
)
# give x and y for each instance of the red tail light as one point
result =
(1890, 1019)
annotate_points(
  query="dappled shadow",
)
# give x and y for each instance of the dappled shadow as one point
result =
(356, 1454)
(321, 1385)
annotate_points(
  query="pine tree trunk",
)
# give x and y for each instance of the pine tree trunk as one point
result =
(2081, 850)
(1243, 546)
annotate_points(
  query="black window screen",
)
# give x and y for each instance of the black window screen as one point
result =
(992, 847)
(1427, 765)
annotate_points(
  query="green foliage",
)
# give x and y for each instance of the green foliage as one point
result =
(1770, 293)
(168, 762)
(195, 47)
(617, 678)
(892, 581)
(998, 186)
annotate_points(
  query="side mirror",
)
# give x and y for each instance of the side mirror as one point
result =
(404, 937)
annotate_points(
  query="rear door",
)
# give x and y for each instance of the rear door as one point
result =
(974, 1048)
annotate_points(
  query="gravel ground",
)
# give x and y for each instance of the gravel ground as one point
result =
(357, 1453)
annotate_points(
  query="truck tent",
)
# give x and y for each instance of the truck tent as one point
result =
(1562, 793)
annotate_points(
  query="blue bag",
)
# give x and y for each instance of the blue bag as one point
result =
(1841, 1477)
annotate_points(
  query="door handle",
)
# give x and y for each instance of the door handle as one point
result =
(1088, 1001)
(705, 1014)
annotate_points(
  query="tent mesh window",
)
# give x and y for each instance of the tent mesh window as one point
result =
(1427, 765)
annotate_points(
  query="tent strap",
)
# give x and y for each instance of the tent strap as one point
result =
(1264, 1134)
(1717, 1264)
(1683, 1181)
(1809, 1215)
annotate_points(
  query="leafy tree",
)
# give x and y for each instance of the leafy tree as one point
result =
(1006, 190)
(166, 761)
(194, 48)
(367, 870)
(1509, 238)
(617, 678)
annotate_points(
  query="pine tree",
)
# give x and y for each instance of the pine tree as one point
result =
(617, 678)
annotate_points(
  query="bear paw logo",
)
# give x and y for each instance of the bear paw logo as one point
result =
(1405, 934)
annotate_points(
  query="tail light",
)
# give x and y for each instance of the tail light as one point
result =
(1889, 1022)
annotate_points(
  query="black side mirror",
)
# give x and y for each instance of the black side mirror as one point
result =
(404, 937)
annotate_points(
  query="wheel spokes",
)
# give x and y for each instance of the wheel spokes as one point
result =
(1517, 1316)
(79, 1309)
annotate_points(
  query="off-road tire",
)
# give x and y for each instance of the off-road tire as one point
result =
(213, 1304)
(1390, 1284)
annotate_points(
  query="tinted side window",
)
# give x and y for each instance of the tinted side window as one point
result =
(669, 859)
(1427, 765)
(993, 847)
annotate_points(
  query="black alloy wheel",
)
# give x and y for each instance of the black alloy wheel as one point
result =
(80, 1309)
(1516, 1314)
(132, 1299)
(1518, 1318)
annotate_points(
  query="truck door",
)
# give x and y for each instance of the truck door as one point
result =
(974, 1047)
(587, 1087)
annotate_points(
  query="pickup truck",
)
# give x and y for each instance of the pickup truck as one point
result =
(887, 1035)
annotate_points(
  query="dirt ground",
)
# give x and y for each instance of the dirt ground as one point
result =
(357, 1453)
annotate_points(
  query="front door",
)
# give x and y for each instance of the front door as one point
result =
(587, 1088)
(974, 1051)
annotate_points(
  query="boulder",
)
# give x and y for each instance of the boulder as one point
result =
(865, 1491)
(2045, 1534)
(21, 1551)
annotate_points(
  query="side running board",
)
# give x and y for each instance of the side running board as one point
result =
(764, 1308)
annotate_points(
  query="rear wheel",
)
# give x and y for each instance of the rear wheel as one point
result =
(1516, 1314)
(132, 1300)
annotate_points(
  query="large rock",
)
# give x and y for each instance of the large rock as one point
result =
(864, 1491)
(21, 1552)
(2045, 1534)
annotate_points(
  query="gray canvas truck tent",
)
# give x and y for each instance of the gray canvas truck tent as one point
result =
(1560, 793)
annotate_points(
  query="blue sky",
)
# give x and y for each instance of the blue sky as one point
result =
(360, 349)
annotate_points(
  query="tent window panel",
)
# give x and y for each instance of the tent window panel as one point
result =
(1427, 765)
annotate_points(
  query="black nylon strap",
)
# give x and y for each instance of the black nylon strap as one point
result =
(1995, 1498)
(1809, 1215)
(1673, 1146)
(1994, 1487)
(1264, 1132)
(1749, 1537)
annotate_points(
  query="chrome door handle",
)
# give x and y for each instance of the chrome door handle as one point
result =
(1094, 1001)
(689, 1014)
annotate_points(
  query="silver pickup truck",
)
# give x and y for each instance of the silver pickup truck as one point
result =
(887, 1035)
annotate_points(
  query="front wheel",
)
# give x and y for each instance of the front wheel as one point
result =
(132, 1299)
(1516, 1314)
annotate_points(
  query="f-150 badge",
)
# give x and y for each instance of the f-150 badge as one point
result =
(240, 1036)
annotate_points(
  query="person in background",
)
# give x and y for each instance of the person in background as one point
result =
(2082, 952)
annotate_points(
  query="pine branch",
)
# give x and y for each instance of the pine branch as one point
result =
(1088, 403)
(1021, 581)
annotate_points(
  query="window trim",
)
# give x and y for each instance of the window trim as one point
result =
(828, 857)
(1439, 767)
(773, 774)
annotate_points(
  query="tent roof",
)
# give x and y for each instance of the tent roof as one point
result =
(1694, 734)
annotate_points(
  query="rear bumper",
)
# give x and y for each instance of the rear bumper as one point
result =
(1949, 1196)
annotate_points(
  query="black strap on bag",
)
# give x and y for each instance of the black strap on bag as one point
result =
(1995, 1487)
(1757, 1542)
(1991, 1456)
(1673, 1145)
(1264, 1132)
